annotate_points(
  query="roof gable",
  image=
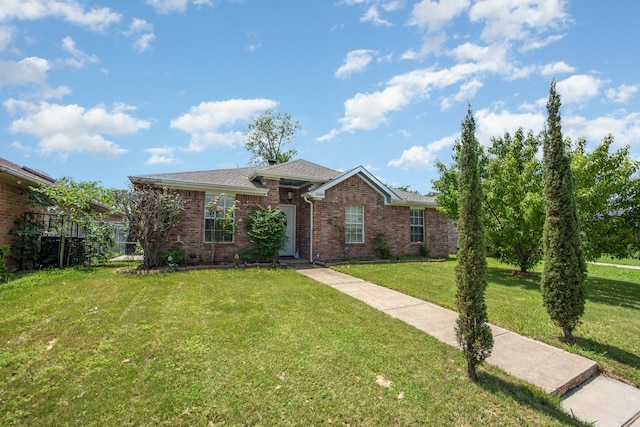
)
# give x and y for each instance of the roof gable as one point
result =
(386, 192)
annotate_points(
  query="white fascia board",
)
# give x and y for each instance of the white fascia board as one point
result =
(196, 186)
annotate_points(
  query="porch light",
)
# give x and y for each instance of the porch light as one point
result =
(290, 195)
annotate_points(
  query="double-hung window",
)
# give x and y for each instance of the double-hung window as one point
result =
(417, 225)
(354, 224)
(218, 218)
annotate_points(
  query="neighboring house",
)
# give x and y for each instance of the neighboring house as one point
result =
(331, 215)
(14, 182)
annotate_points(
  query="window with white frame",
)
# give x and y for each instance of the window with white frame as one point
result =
(354, 224)
(417, 225)
(216, 211)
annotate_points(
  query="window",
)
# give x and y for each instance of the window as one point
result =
(417, 225)
(216, 228)
(354, 224)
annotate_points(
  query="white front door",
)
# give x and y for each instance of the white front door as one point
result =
(290, 213)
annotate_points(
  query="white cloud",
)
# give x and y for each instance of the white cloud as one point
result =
(161, 155)
(168, 6)
(624, 126)
(393, 5)
(138, 26)
(143, 42)
(6, 35)
(204, 121)
(372, 15)
(418, 157)
(355, 62)
(97, 19)
(28, 70)
(434, 15)
(142, 30)
(578, 88)
(491, 124)
(368, 110)
(623, 93)
(556, 68)
(78, 59)
(466, 93)
(517, 19)
(66, 129)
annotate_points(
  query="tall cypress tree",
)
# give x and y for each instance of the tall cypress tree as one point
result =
(472, 332)
(563, 291)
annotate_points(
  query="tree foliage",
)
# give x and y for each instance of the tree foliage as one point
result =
(607, 190)
(267, 136)
(83, 203)
(152, 214)
(513, 199)
(472, 332)
(267, 233)
(511, 181)
(606, 185)
(563, 290)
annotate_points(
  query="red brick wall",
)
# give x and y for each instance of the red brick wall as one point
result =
(394, 221)
(189, 235)
(13, 203)
(328, 224)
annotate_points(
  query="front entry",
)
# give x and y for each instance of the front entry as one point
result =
(290, 213)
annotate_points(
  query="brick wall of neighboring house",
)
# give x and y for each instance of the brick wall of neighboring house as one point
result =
(436, 233)
(13, 203)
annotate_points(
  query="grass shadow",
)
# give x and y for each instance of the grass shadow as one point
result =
(610, 352)
(613, 292)
(537, 400)
(618, 293)
(504, 277)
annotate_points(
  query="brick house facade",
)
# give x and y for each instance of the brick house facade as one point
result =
(317, 201)
(14, 182)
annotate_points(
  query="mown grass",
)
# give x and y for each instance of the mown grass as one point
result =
(610, 329)
(620, 261)
(232, 347)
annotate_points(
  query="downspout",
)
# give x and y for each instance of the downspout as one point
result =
(310, 228)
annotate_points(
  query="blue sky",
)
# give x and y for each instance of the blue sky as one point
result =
(99, 90)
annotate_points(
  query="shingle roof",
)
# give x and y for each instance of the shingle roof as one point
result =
(14, 173)
(410, 196)
(248, 179)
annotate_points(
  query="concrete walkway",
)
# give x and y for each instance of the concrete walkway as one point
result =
(588, 396)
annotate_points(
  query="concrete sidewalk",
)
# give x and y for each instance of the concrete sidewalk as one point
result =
(590, 398)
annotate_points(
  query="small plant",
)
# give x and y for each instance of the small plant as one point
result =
(267, 232)
(382, 247)
(4, 272)
(424, 251)
(175, 256)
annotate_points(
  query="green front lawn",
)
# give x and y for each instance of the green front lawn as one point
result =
(233, 347)
(609, 334)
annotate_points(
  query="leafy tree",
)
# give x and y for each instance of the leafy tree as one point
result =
(514, 209)
(152, 213)
(267, 233)
(267, 135)
(607, 193)
(563, 290)
(511, 180)
(472, 332)
(73, 203)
